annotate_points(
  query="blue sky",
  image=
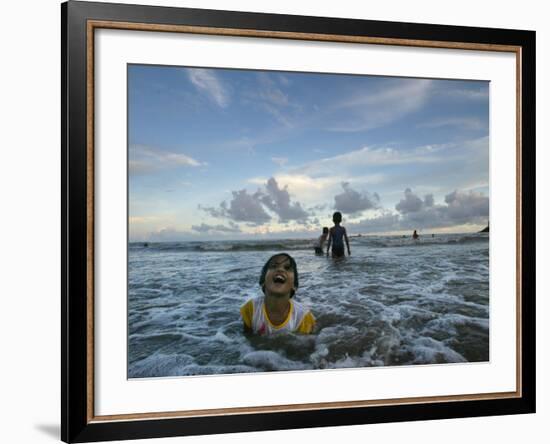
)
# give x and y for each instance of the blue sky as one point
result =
(225, 154)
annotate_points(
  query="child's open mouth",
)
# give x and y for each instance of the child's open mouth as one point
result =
(279, 279)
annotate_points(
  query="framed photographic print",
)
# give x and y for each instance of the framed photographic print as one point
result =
(276, 221)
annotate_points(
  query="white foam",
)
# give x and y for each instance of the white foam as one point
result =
(270, 360)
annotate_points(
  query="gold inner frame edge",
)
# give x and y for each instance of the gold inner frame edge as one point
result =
(98, 24)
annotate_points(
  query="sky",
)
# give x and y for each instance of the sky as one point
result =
(229, 154)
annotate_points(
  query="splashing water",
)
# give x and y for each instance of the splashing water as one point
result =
(393, 302)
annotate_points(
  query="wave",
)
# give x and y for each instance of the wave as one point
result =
(305, 244)
(226, 246)
(407, 241)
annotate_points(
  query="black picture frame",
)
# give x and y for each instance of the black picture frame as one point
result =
(77, 420)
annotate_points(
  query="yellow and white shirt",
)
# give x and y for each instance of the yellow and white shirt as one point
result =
(299, 319)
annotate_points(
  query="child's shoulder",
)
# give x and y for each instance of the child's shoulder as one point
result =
(255, 300)
(300, 307)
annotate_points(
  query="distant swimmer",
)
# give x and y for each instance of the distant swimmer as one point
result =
(415, 235)
(319, 243)
(337, 235)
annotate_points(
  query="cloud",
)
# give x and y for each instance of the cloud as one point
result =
(373, 110)
(205, 228)
(303, 185)
(215, 212)
(138, 220)
(246, 207)
(269, 91)
(466, 123)
(167, 234)
(272, 99)
(412, 203)
(463, 207)
(387, 221)
(318, 208)
(460, 207)
(317, 190)
(278, 201)
(205, 80)
(351, 201)
(260, 207)
(144, 159)
(281, 161)
(368, 157)
(429, 200)
(243, 207)
(480, 93)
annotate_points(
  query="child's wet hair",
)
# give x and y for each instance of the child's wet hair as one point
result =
(325, 229)
(292, 264)
(337, 217)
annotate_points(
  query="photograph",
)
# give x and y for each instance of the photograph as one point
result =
(305, 221)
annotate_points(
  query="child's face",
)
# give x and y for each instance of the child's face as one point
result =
(279, 278)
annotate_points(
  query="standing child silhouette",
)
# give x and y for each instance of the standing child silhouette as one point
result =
(337, 235)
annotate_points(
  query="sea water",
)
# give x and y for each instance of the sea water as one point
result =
(394, 301)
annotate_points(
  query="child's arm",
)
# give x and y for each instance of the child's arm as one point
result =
(347, 241)
(329, 240)
(246, 315)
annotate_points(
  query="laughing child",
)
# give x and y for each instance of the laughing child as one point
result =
(275, 311)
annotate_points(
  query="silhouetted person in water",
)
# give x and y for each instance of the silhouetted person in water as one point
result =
(337, 235)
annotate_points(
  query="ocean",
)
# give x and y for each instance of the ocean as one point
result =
(394, 301)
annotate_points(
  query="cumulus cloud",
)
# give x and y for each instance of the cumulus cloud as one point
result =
(412, 203)
(351, 201)
(145, 159)
(215, 212)
(278, 201)
(429, 200)
(465, 206)
(260, 207)
(246, 207)
(243, 207)
(317, 208)
(205, 80)
(460, 207)
(387, 221)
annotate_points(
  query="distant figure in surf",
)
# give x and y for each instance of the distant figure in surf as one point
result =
(321, 241)
(415, 235)
(337, 235)
(275, 312)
